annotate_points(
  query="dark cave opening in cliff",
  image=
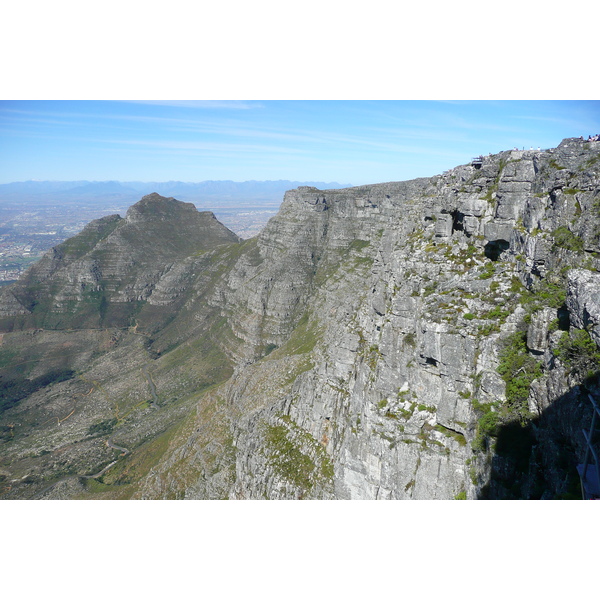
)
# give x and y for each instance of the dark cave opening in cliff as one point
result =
(494, 249)
(564, 323)
(457, 221)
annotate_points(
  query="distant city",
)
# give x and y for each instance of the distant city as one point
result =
(27, 233)
(36, 216)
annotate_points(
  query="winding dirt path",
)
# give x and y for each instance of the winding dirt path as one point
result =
(124, 452)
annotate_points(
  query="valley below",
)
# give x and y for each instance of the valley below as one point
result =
(437, 338)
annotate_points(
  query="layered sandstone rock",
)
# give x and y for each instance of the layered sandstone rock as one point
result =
(366, 331)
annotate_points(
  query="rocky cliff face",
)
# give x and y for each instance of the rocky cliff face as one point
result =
(435, 338)
(100, 277)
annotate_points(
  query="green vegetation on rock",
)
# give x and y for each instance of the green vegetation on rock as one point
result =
(102, 428)
(13, 391)
(295, 455)
(304, 337)
(565, 238)
(518, 369)
(579, 353)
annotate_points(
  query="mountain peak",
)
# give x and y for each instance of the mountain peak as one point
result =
(156, 206)
(433, 338)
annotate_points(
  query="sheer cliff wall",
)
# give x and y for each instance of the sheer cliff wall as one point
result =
(434, 338)
(375, 321)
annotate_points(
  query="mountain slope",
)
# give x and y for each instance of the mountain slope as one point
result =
(100, 276)
(435, 338)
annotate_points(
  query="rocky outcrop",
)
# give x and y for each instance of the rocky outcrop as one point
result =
(100, 276)
(420, 339)
(414, 287)
(583, 301)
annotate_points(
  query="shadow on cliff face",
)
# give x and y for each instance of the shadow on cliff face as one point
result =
(539, 460)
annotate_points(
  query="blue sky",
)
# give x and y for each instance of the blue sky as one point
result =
(354, 142)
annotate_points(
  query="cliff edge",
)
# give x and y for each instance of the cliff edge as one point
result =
(434, 338)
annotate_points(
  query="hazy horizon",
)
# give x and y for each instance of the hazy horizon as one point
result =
(357, 141)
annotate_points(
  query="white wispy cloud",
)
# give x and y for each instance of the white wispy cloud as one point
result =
(203, 146)
(32, 118)
(372, 138)
(203, 104)
(574, 124)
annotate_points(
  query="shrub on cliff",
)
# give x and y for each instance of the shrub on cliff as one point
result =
(579, 353)
(518, 369)
(564, 238)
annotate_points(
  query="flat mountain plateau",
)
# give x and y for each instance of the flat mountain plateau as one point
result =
(429, 339)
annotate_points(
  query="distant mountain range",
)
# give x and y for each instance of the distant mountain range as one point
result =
(227, 191)
(437, 338)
